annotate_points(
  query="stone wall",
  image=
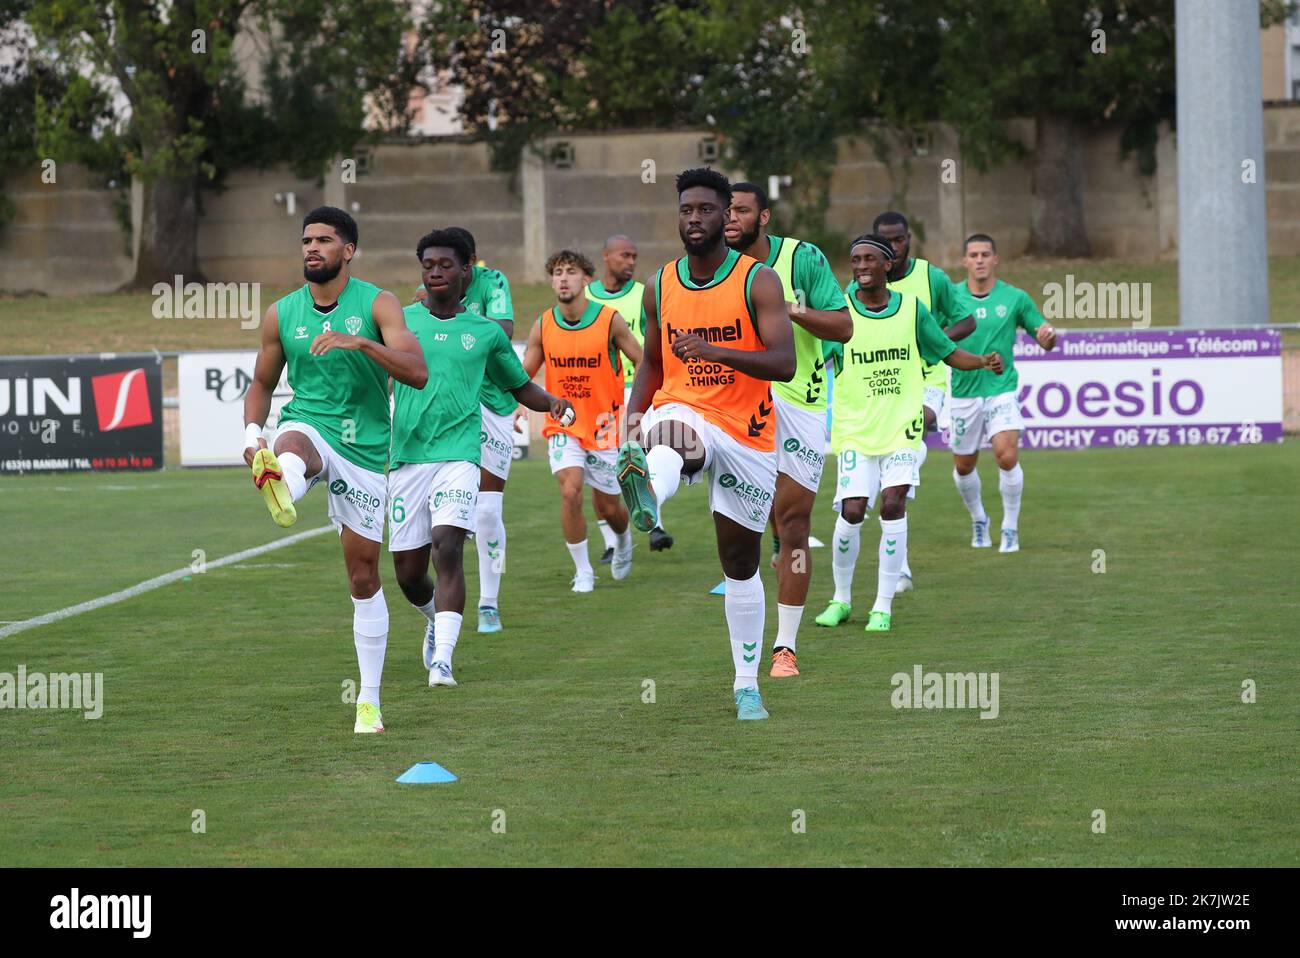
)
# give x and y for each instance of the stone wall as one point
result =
(66, 236)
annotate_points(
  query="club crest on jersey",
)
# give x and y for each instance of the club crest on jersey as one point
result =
(353, 324)
(467, 340)
(1002, 312)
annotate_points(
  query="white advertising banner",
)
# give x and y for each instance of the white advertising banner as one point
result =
(1176, 387)
(212, 387)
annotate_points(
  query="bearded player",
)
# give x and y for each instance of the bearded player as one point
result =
(341, 339)
(820, 317)
(717, 335)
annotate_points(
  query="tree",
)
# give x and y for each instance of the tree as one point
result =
(529, 68)
(1068, 64)
(181, 113)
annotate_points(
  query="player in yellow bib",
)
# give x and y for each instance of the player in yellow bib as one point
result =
(878, 424)
(819, 318)
(579, 342)
(935, 291)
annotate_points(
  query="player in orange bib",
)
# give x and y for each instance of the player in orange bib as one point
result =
(578, 340)
(717, 334)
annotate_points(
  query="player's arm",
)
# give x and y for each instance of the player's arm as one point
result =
(961, 329)
(820, 309)
(503, 367)
(538, 399)
(399, 354)
(499, 307)
(650, 371)
(775, 362)
(266, 376)
(533, 355)
(622, 337)
(948, 305)
(1032, 321)
(833, 325)
(935, 346)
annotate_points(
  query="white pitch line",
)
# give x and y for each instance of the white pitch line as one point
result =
(156, 582)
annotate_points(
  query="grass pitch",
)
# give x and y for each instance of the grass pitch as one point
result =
(1120, 691)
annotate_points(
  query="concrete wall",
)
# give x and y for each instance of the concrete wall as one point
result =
(65, 236)
(1273, 54)
(246, 235)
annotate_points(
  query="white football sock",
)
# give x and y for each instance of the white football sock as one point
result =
(1011, 483)
(578, 550)
(370, 636)
(787, 625)
(665, 472)
(623, 541)
(844, 558)
(295, 474)
(490, 538)
(428, 610)
(921, 454)
(969, 487)
(607, 534)
(446, 630)
(893, 543)
(745, 608)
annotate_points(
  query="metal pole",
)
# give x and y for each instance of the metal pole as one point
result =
(1222, 230)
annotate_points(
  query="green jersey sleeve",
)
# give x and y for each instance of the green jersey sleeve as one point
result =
(503, 366)
(812, 274)
(498, 304)
(947, 305)
(932, 342)
(1027, 315)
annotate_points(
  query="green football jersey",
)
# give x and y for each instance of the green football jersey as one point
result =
(997, 314)
(442, 421)
(806, 277)
(880, 383)
(343, 394)
(488, 295)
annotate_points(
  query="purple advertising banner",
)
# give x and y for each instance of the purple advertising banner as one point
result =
(1175, 387)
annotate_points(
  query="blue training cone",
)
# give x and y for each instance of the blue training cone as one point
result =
(719, 589)
(424, 772)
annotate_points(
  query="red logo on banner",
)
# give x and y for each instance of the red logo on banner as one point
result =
(121, 400)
